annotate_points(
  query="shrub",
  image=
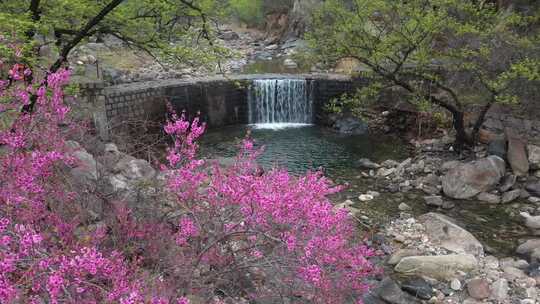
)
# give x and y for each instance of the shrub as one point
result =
(240, 232)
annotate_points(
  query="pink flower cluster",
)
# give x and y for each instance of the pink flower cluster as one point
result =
(238, 230)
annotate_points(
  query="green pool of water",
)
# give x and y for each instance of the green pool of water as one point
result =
(313, 147)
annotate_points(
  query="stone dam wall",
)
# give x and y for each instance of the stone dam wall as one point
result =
(218, 100)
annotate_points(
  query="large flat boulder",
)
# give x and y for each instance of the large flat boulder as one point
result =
(442, 231)
(466, 180)
(441, 267)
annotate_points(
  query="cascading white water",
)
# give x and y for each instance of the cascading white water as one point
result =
(278, 103)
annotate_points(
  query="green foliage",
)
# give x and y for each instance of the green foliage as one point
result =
(249, 12)
(172, 30)
(438, 50)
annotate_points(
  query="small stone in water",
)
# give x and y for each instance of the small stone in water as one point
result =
(404, 207)
(455, 284)
(365, 197)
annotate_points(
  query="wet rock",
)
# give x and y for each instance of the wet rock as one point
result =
(508, 182)
(488, 198)
(510, 196)
(498, 148)
(533, 188)
(443, 231)
(442, 267)
(499, 290)
(434, 200)
(365, 197)
(418, 287)
(517, 156)
(390, 292)
(404, 207)
(532, 222)
(350, 125)
(365, 163)
(478, 288)
(534, 156)
(469, 179)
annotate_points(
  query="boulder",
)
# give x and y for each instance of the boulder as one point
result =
(532, 222)
(497, 147)
(365, 163)
(402, 253)
(135, 169)
(510, 196)
(478, 288)
(528, 247)
(443, 231)
(533, 188)
(508, 182)
(418, 287)
(488, 198)
(229, 36)
(469, 179)
(290, 64)
(390, 292)
(350, 125)
(534, 156)
(441, 267)
(499, 290)
(517, 156)
(434, 200)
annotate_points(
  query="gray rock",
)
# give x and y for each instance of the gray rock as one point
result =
(510, 196)
(532, 222)
(497, 147)
(455, 284)
(350, 125)
(229, 36)
(404, 207)
(290, 64)
(512, 273)
(528, 247)
(418, 287)
(402, 253)
(499, 290)
(488, 198)
(469, 179)
(478, 288)
(533, 188)
(86, 164)
(508, 182)
(365, 163)
(389, 163)
(135, 169)
(517, 156)
(534, 156)
(390, 292)
(443, 231)
(434, 200)
(441, 267)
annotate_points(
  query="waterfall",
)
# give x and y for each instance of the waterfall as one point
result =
(275, 103)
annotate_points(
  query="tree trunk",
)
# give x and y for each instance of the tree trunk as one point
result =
(462, 140)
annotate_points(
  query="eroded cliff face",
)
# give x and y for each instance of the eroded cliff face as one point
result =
(292, 22)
